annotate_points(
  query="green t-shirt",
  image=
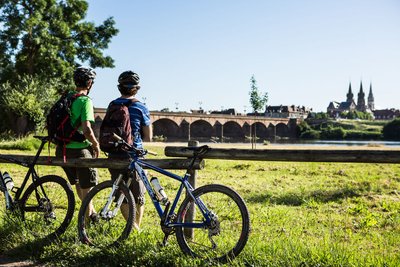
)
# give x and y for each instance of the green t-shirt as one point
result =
(81, 110)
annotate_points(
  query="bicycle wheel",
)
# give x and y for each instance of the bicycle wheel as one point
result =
(227, 233)
(47, 206)
(108, 227)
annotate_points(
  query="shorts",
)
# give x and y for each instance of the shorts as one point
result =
(137, 187)
(86, 177)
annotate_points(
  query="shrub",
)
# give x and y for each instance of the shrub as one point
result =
(391, 131)
(310, 134)
(330, 133)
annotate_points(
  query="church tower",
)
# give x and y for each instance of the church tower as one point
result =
(371, 104)
(361, 99)
(350, 95)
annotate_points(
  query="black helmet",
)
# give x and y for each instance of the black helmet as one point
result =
(83, 74)
(128, 79)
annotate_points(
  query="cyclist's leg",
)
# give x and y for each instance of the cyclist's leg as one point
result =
(110, 227)
(138, 190)
(87, 177)
(83, 178)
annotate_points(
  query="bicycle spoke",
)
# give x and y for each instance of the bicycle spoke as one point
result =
(48, 206)
(110, 226)
(225, 236)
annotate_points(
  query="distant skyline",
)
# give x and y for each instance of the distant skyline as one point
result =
(203, 53)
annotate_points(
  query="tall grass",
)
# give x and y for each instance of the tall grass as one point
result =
(302, 214)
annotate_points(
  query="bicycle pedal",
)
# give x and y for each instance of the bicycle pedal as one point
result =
(165, 241)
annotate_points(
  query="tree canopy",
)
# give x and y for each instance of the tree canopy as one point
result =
(391, 131)
(41, 43)
(49, 38)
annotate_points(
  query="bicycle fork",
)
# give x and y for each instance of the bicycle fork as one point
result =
(106, 212)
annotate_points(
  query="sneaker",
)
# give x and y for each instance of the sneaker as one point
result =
(94, 218)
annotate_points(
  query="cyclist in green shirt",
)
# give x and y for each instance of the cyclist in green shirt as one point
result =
(82, 114)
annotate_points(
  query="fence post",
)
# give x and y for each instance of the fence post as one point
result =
(192, 180)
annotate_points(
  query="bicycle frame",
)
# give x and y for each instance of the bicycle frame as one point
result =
(165, 214)
(31, 172)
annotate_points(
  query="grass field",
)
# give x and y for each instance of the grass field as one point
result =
(302, 214)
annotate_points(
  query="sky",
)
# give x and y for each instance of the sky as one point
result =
(191, 54)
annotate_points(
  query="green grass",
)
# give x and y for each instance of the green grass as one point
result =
(302, 214)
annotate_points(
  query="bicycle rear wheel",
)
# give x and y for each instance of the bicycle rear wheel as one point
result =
(227, 233)
(108, 227)
(47, 206)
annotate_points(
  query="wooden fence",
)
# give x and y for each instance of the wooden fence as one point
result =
(101, 163)
(301, 155)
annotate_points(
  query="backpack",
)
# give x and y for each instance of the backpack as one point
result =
(58, 122)
(116, 120)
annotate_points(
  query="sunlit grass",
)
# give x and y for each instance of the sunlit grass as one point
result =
(302, 214)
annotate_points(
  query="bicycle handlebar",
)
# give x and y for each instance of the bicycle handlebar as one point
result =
(131, 148)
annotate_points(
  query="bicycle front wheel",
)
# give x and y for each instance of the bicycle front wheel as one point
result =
(112, 223)
(47, 206)
(226, 235)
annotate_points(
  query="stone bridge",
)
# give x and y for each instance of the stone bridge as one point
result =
(182, 126)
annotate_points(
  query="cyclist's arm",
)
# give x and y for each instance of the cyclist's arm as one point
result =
(89, 134)
(147, 133)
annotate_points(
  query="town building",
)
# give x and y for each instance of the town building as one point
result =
(297, 112)
(386, 114)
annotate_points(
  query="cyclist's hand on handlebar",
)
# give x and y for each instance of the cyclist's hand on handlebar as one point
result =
(151, 153)
(96, 150)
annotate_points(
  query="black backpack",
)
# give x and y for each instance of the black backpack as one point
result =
(58, 122)
(116, 120)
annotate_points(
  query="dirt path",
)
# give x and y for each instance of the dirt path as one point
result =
(7, 262)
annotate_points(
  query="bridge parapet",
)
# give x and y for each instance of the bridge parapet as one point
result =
(183, 126)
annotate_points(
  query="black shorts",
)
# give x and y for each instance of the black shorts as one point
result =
(86, 177)
(137, 187)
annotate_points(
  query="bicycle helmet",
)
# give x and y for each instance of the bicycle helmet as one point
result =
(82, 75)
(128, 79)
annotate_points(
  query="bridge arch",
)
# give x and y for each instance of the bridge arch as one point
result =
(201, 130)
(282, 130)
(166, 128)
(233, 131)
(260, 130)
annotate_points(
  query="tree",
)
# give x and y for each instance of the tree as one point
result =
(391, 131)
(41, 42)
(49, 38)
(27, 102)
(257, 100)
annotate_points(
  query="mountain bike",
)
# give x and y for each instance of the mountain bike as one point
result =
(218, 230)
(47, 205)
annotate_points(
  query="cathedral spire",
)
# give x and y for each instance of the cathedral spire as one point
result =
(361, 99)
(371, 104)
(350, 94)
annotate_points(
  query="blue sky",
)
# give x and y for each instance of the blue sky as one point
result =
(203, 53)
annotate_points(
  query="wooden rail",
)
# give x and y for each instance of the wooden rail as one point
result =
(102, 163)
(301, 155)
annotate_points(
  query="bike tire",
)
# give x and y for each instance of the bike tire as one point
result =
(47, 207)
(106, 231)
(230, 235)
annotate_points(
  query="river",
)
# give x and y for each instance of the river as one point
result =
(337, 143)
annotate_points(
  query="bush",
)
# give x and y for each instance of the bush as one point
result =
(391, 131)
(310, 134)
(330, 133)
(364, 135)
